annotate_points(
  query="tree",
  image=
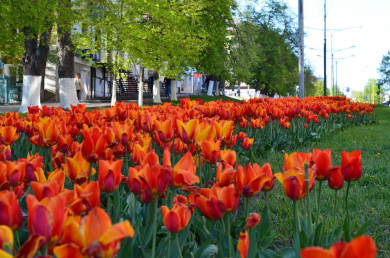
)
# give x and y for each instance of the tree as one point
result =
(277, 68)
(27, 32)
(244, 51)
(384, 70)
(310, 82)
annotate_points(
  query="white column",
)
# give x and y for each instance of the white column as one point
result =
(156, 92)
(210, 89)
(31, 92)
(68, 94)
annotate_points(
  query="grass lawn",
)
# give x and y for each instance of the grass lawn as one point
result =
(369, 197)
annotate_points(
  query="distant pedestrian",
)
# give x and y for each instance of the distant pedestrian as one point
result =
(78, 85)
(168, 83)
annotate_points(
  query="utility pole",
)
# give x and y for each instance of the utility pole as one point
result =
(301, 51)
(324, 47)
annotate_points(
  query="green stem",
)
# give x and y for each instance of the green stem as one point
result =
(178, 246)
(335, 205)
(154, 227)
(346, 207)
(309, 224)
(295, 218)
(169, 244)
(200, 171)
(318, 201)
(17, 241)
(108, 205)
(246, 203)
(228, 236)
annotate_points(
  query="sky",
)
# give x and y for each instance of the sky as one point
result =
(361, 27)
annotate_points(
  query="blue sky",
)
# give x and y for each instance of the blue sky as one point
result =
(370, 20)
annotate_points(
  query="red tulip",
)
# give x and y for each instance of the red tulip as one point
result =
(184, 172)
(351, 165)
(294, 184)
(176, 219)
(252, 220)
(362, 246)
(243, 243)
(322, 163)
(110, 175)
(10, 212)
(247, 143)
(46, 218)
(335, 179)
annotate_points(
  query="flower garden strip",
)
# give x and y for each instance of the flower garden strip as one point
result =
(168, 181)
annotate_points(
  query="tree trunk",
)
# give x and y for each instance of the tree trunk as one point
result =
(141, 87)
(156, 89)
(210, 88)
(65, 54)
(257, 95)
(173, 90)
(34, 61)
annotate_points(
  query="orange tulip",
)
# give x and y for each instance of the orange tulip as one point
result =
(110, 175)
(268, 180)
(252, 220)
(322, 163)
(135, 182)
(49, 188)
(205, 132)
(187, 131)
(335, 179)
(93, 146)
(294, 184)
(165, 130)
(64, 143)
(362, 246)
(15, 172)
(77, 169)
(227, 195)
(10, 212)
(46, 218)
(295, 161)
(47, 133)
(93, 236)
(351, 165)
(225, 175)
(138, 153)
(86, 197)
(210, 151)
(241, 135)
(224, 130)
(247, 143)
(228, 157)
(6, 241)
(8, 135)
(243, 243)
(33, 168)
(5, 153)
(184, 172)
(208, 203)
(176, 219)
(249, 181)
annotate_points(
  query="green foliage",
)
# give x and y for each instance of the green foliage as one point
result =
(370, 91)
(23, 21)
(384, 70)
(269, 53)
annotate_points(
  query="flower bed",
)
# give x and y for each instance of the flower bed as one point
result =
(169, 181)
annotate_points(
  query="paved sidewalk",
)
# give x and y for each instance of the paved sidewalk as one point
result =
(4, 108)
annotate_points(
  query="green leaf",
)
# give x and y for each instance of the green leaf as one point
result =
(317, 235)
(363, 228)
(207, 249)
(347, 230)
